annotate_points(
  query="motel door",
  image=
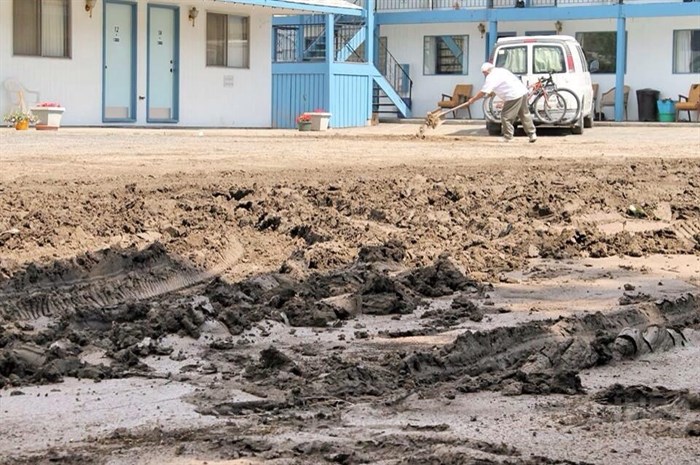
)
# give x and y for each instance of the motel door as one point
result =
(119, 68)
(163, 37)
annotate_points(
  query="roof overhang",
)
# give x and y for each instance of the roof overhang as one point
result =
(336, 7)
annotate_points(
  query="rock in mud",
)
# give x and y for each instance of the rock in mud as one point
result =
(641, 396)
(440, 279)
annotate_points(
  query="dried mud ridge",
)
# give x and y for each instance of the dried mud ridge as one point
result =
(486, 224)
(535, 357)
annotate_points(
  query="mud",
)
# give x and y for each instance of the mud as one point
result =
(306, 311)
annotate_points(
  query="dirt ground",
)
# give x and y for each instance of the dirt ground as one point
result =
(362, 296)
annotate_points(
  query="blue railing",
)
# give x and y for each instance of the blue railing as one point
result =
(400, 5)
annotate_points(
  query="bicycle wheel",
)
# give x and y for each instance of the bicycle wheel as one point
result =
(550, 108)
(573, 106)
(493, 106)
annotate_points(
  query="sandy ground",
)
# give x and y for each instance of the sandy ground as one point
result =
(368, 295)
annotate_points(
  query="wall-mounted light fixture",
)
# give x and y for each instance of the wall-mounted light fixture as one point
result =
(89, 6)
(193, 14)
(482, 29)
(558, 27)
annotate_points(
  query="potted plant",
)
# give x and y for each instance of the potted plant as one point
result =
(48, 115)
(20, 119)
(304, 122)
(319, 119)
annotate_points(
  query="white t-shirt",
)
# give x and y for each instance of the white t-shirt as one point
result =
(504, 83)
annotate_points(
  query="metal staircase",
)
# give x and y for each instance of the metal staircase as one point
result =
(392, 85)
(384, 101)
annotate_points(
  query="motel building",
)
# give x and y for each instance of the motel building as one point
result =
(260, 63)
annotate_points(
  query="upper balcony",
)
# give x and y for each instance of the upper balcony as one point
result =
(422, 5)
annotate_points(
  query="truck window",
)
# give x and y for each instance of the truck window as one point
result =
(512, 58)
(548, 58)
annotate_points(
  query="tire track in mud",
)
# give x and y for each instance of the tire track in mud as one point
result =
(105, 289)
(688, 231)
(534, 354)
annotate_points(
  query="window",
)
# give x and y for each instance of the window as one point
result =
(227, 40)
(41, 28)
(548, 58)
(445, 54)
(512, 58)
(600, 46)
(686, 51)
(285, 40)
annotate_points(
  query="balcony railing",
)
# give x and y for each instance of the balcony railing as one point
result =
(403, 5)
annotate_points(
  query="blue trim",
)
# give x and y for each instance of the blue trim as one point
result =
(134, 26)
(289, 5)
(620, 60)
(299, 50)
(540, 13)
(491, 39)
(299, 68)
(176, 71)
(328, 94)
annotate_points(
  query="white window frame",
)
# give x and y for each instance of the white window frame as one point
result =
(686, 60)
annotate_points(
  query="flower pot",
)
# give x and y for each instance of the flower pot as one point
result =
(304, 126)
(22, 125)
(48, 117)
(319, 121)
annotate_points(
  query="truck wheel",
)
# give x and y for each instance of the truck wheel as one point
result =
(578, 128)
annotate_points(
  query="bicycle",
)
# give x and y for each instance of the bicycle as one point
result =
(547, 103)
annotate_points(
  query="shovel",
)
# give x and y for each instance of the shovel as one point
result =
(434, 118)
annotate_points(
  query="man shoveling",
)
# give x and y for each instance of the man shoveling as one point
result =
(513, 92)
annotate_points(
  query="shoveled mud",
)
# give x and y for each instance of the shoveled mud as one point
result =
(369, 314)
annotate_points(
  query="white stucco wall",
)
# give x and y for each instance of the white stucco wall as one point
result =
(649, 57)
(76, 83)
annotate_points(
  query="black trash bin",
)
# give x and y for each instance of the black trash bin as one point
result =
(646, 103)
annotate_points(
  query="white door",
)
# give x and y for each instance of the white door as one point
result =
(119, 74)
(163, 35)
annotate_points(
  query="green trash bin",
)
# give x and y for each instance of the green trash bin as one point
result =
(667, 110)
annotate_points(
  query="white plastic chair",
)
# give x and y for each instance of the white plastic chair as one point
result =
(20, 96)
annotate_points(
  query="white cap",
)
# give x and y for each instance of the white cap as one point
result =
(486, 67)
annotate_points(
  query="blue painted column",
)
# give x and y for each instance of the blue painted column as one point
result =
(493, 36)
(299, 51)
(369, 33)
(330, 61)
(371, 49)
(621, 59)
